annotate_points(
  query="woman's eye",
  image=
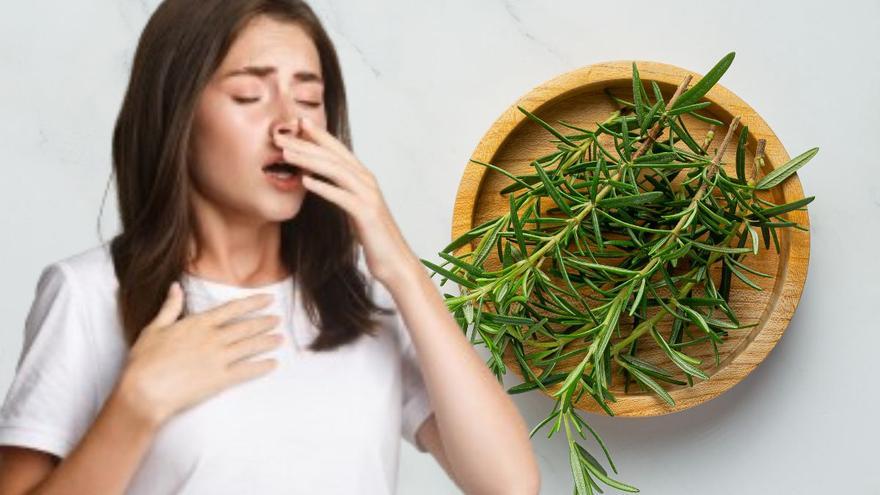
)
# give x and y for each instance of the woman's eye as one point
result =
(244, 100)
(313, 104)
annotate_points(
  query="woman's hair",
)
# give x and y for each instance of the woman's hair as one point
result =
(179, 50)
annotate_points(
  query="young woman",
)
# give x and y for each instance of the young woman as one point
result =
(236, 337)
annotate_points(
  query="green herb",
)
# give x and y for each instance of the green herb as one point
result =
(621, 237)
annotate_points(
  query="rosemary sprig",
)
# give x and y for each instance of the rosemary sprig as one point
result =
(636, 224)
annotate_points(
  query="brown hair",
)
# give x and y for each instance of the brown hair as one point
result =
(181, 46)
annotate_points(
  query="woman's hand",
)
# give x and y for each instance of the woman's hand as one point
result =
(175, 364)
(353, 188)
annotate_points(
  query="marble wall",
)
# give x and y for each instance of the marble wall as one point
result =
(425, 81)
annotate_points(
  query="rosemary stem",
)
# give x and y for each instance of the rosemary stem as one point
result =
(713, 168)
(529, 204)
(536, 257)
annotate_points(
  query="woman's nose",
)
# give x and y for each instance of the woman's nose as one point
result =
(288, 126)
(287, 120)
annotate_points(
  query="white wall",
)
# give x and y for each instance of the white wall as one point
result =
(425, 80)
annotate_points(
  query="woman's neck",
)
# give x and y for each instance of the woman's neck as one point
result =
(238, 258)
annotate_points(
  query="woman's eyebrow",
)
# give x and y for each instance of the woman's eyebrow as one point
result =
(263, 71)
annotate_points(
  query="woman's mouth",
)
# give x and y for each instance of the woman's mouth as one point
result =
(284, 176)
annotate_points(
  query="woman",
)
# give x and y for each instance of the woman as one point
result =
(150, 365)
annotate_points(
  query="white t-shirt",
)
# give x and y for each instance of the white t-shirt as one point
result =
(325, 422)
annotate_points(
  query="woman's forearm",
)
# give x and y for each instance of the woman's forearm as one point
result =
(109, 453)
(481, 429)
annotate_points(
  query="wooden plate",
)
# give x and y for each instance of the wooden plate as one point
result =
(577, 97)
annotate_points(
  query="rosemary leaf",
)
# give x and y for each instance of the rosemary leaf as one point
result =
(778, 175)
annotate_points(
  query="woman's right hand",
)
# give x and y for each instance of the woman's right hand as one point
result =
(175, 364)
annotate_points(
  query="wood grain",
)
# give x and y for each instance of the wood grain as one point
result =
(577, 97)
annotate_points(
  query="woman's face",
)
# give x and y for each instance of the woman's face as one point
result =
(270, 77)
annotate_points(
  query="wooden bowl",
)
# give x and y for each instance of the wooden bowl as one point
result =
(577, 97)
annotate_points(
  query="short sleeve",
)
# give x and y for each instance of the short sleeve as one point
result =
(416, 404)
(53, 396)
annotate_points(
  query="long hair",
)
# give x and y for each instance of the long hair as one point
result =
(180, 48)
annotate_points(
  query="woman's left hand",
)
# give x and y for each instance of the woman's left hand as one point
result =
(354, 189)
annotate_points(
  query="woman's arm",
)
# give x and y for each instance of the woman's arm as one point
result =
(484, 436)
(484, 439)
(103, 462)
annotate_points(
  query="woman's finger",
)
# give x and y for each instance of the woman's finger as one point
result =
(320, 136)
(304, 145)
(332, 193)
(320, 165)
(171, 307)
(290, 141)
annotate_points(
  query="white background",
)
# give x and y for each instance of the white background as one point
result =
(425, 81)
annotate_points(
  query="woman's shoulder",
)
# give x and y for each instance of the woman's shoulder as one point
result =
(74, 302)
(94, 261)
(86, 279)
(88, 271)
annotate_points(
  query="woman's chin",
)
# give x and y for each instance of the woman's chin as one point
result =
(282, 210)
